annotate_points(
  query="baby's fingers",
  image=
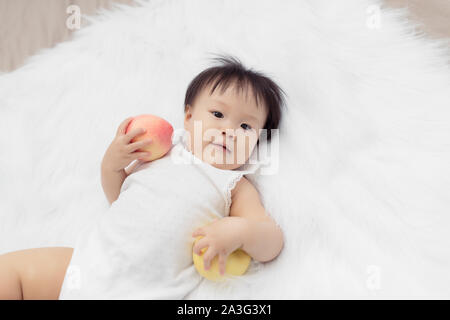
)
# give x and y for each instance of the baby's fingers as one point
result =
(133, 133)
(222, 263)
(140, 155)
(208, 257)
(199, 245)
(138, 145)
(123, 126)
(199, 232)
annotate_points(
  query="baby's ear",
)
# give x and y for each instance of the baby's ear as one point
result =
(187, 112)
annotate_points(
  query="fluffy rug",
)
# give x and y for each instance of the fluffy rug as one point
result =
(363, 187)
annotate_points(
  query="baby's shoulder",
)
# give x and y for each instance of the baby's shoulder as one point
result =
(243, 186)
(246, 201)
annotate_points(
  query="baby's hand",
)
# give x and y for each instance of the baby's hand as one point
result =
(121, 152)
(222, 237)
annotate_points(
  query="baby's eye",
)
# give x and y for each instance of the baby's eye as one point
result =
(245, 126)
(217, 114)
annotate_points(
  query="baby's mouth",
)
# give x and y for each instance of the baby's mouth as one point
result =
(218, 145)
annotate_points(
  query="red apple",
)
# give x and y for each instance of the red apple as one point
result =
(158, 129)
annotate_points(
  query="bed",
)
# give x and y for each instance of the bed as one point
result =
(362, 191)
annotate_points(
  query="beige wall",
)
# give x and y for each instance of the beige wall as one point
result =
(28, 25)
(434, 15)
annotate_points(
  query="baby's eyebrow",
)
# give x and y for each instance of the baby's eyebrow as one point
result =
(221, 102)
(249, 116)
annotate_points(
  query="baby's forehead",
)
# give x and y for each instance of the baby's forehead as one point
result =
(244, 94)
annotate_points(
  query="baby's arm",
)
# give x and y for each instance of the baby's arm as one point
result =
(263, 239)
(118, 156)
(248, 228)
(112, 182)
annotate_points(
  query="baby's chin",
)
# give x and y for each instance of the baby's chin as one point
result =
(224, 166)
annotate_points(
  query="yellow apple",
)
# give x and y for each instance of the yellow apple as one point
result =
(236, 265)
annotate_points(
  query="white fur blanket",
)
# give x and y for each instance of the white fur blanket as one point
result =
(363, 188)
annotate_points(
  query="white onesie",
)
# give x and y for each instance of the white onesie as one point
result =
(141, 248)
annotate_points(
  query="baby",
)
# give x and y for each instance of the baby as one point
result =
(142, 247)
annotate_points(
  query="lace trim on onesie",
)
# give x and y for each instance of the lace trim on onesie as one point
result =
(250, 167)
(230, 187)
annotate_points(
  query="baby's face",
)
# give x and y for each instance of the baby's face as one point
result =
(231, 118)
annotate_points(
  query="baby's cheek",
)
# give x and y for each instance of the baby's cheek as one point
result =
(250, 146)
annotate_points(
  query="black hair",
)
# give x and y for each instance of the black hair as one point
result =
(230, 70)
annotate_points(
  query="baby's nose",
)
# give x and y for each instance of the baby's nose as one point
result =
(229, 133)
